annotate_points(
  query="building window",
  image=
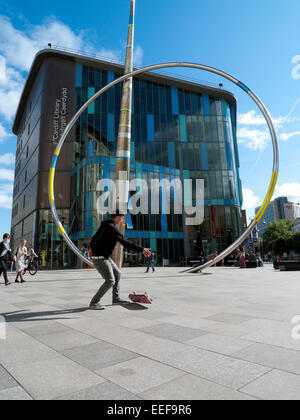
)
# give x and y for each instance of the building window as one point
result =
(27, 152)
(28, 130)
(25, 177)
(24, 201)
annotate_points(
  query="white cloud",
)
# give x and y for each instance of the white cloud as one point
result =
(7, 188)
(3, 133)
(296, 69)
(5, 200)
(290, 190)
(251, 118)
(18, 48)
(2, 69)
(7, 174)
(7, 159)
(254, 139)
(253, 130)
(287, 136)
(250, 200)
(138, 56)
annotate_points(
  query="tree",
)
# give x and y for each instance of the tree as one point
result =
(296, 241)
(280, 230)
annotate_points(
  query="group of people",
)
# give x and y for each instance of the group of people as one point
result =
(18, 256)
(244, 255)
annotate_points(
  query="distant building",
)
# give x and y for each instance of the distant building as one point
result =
(292, 211)
(296, 227)
(278, 209)
(244, 220)
(180, 130)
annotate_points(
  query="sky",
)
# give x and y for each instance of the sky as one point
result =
(256, 41)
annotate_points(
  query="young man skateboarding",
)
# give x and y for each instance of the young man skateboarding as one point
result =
(102, 246)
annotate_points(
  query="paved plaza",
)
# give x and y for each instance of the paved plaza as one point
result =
(225, 334)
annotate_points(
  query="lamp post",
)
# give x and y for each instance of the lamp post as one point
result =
(124, 137)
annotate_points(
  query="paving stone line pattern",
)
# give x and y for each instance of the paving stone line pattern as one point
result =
(223, 335)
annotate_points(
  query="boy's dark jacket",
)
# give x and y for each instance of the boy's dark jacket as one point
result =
(104, 241)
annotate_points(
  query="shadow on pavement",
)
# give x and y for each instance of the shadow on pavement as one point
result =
(23, 316)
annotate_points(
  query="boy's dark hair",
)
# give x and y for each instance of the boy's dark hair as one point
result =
(6, 235)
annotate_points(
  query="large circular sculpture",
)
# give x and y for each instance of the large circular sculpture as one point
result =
(252, 95)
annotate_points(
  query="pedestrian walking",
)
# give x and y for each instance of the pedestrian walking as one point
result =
(150, 262)
(243, 258)
(20, 254)
(4, 257)
(102, 246)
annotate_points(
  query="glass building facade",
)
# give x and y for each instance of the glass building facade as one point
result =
(176, 133)
(179, 129)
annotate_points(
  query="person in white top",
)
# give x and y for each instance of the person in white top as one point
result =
(20, 254)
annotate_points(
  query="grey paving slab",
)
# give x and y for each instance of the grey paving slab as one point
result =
(99, 355)
(139, 374)
(66, 340)
(219, 343)
(50, 328)
(23, 351)
(190, 387)
(280, 337)
(6, 381)
(14, 394)
(52, 378)
(230, 318)
(173, 332)
(276, 385)
(103, 392)
(274, 357)
(214, 367)
(49, 313)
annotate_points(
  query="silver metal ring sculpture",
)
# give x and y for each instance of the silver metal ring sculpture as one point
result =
(252, 95)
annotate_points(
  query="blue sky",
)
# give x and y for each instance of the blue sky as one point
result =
(257, 41)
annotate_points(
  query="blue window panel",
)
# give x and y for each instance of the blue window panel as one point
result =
(204, 159)
(153, 244)
(175, 101)
(111, 76)
(90, 148)
(132, 150)
(182, 121)
(111, 128)
(106, 171)
(159, 235)
(140, 234)
(181, 235)
(170, 235)
(91, 108)
(171, 148)
(229, 156)
(206, 105)
(150, 125)
(152, 235)
(129, 221)
(164, 223)
(186, 174)
(78, 77)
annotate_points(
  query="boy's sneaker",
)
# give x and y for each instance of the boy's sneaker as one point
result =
(120, 302)
(96, 307)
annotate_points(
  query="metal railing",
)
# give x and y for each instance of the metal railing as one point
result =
(121, 63)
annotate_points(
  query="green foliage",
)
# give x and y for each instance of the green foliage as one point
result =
(278, 236)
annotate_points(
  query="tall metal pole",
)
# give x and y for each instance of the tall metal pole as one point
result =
(124, 136)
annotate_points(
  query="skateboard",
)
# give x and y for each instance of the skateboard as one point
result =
(140, 298)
